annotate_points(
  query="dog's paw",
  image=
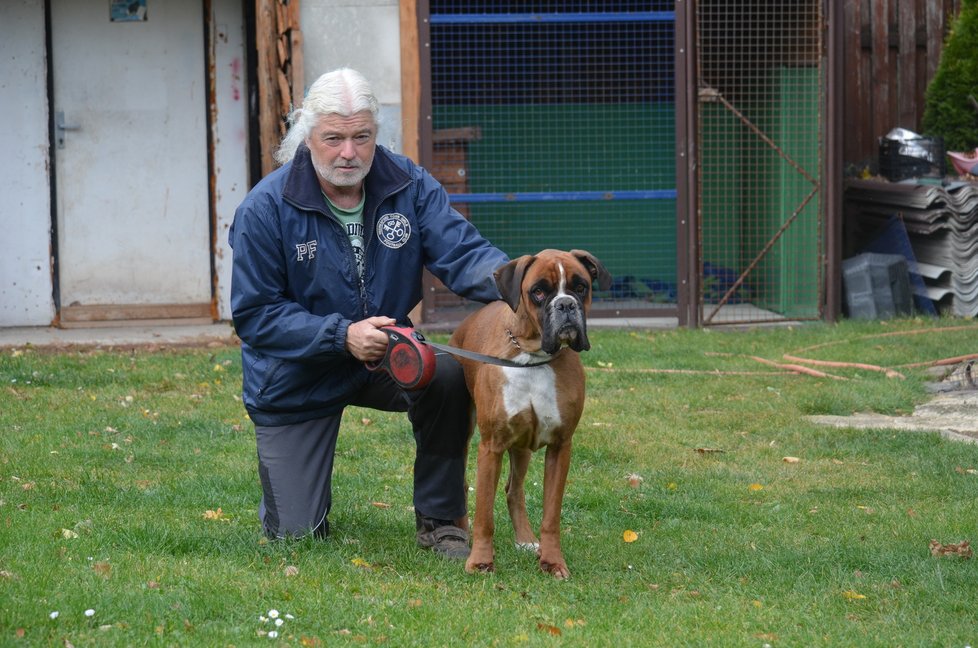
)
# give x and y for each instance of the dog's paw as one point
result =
(556, 569)
(479, 567)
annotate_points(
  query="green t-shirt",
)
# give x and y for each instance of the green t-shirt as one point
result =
(352, 222)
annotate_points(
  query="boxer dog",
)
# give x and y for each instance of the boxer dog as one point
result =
(540, 325)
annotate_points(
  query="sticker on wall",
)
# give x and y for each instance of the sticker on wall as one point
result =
(127, 10)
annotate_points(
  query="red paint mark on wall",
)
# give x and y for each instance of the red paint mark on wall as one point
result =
(236, 79)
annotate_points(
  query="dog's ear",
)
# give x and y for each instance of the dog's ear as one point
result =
(509, 279)
(598, 272)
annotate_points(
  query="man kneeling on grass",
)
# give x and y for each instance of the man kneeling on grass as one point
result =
(328, 249)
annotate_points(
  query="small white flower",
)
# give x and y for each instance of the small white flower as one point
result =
(54, 615)
(279, 622)
(289, 616)
(263, 619)
(273, 614)
(89, 612)
(272, 634)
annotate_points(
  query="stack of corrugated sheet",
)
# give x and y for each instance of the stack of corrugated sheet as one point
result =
(941, 223)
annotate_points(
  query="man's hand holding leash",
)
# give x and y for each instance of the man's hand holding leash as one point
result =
(365, 341)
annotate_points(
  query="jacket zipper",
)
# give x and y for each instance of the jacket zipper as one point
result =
(352, 257)
(368, 238)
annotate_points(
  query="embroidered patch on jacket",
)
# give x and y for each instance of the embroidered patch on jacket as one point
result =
(305, 250)
(393, 230)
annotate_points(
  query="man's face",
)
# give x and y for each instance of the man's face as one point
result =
(342, 148)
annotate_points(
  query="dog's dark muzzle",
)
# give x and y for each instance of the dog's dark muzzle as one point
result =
(564, 323)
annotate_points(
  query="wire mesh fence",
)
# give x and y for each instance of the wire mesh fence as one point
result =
(553, 126)
(760, 87)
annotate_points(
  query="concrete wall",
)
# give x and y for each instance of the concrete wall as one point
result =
(363, 35)
(26, 296)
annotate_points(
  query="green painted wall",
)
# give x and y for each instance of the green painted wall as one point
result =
(549, 148)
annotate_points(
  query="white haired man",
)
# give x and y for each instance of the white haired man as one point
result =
(328, 249)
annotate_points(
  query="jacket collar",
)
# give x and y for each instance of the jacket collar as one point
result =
(302, 187)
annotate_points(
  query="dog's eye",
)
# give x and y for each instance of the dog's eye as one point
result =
(538, 294)
(580, 289)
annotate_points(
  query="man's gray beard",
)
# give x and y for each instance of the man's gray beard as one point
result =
(339, 179)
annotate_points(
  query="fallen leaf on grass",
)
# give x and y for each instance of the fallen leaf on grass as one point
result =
(629, 536)
(709, 450)
(291, 570)
(215, 515)
(790, 460)
(549, 629)
(852, 595)
(962, 549)
(634, 480)
(360, 562)
(68, 534)
(755, 487)
(102, 568)
(380, 505)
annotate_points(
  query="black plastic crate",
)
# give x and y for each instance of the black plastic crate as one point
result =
(920, 157)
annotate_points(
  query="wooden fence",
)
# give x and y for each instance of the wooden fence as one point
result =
(278, 39)
(891, 51)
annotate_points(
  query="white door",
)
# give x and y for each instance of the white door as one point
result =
(131, 160)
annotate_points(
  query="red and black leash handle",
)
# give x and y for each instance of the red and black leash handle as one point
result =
(409, 360)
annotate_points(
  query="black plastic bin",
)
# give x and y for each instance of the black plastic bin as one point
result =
(919, 157)
(877, 286)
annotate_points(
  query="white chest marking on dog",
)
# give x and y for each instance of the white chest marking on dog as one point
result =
(533, 387)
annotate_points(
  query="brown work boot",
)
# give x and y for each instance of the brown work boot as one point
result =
(442, 537)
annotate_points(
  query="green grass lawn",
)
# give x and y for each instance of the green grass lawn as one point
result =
(129, 488)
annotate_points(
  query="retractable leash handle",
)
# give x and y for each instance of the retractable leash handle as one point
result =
(409, 360)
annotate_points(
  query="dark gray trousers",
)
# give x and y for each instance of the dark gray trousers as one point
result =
(295, 462)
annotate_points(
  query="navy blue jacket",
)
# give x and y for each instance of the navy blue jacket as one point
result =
(295, 288)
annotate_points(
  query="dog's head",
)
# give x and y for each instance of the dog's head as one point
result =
(555, 289)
